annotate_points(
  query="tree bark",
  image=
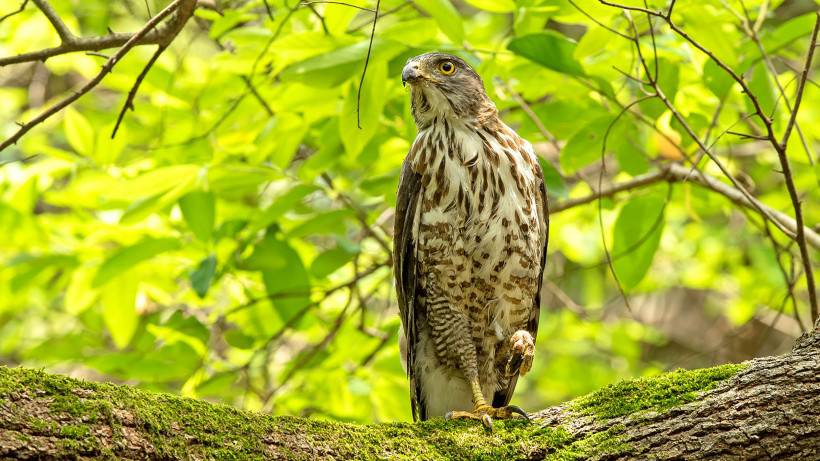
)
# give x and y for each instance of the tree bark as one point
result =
(767, 408)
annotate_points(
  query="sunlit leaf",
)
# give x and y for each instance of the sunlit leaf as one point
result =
(284, 274)
(198, 208)
(636, 235)
(494, 6)
(130, 256)
(549, 49)
(447, 17)
(119, 310)
(585, 146)
(79, 133)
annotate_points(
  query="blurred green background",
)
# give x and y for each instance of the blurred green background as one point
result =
(232, 241)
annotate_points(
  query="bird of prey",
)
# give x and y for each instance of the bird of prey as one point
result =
(470, 243)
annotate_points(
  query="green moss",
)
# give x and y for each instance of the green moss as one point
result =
(606, 442)
(73, 431)
(178, 427)
(658, 393)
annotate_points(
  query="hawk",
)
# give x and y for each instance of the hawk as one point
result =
(470, 243)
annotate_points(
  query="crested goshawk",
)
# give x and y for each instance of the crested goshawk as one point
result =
(470, 243)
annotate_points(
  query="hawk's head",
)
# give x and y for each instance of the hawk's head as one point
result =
(443, 85)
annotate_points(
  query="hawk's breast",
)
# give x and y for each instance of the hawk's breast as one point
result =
(479, 228)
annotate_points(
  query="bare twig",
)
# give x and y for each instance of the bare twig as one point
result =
(339, 3)
(268, 9)
(592, 18)
(600, 202)
(72, 43)
(787, 175)
(54, 19)
(106, 68)
(751, 30)
(17, 11)
(129, 100)
(366, 62)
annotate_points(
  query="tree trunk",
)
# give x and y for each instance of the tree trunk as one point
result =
(767, 408)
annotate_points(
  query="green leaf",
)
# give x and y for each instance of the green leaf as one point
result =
(446, 16)
(128, 257)
(626, 144)
(549, 49)
(280, 139)
(334, 67)
(552, 179)
(636, 236)
(494, 6)
(716, 79)
(143, 208)
(198, 209)
(584, 147)
(762, 88)
(79, 295)
(119, 310)
(238, 339)
(330, 261)
(329, 222)
(79, 132)
(203, 275)
(281, 204)
(284, 274)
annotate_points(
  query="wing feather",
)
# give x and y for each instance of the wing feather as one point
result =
(404, 267)
(502, 397)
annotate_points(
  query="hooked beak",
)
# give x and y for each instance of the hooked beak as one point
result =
(410, 73)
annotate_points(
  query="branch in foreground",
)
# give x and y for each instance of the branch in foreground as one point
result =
(769, 407)
(182, 5)
(70, 43)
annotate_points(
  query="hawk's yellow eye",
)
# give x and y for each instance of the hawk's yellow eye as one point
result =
(447, 67)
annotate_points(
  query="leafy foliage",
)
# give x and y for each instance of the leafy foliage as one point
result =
(232, 241)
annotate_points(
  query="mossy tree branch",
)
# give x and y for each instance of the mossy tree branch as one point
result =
(765, 408)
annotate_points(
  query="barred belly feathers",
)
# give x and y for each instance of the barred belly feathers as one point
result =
(470, 245)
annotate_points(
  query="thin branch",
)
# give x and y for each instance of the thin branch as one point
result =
(17, 11)
(268, 9)
(106, 68)
(366, 62)
(787, 175)
(54, 19)
(600, 202)
(635, 183)
(751, 30)
(339, 3)
(183, 15)
(747, 135)
(71, 43)
(592, 18)
(129, 100)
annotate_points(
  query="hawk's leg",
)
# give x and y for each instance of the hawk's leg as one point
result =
(522, 351)
(484, 412)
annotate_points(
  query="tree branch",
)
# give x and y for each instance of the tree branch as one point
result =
(54, 19)
(136, 38)
(17, 11)
(678, 173)
(71, 43)
(768, 408)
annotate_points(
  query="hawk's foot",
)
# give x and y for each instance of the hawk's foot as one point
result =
(523, 350)
(486, 413)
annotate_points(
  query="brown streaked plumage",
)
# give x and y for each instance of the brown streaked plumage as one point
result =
(469, 247)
